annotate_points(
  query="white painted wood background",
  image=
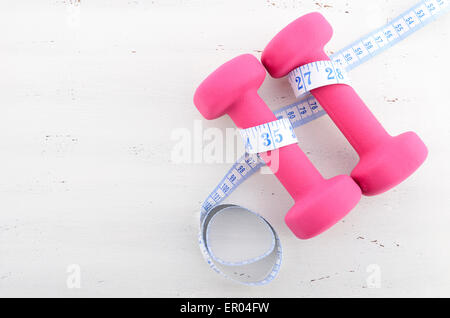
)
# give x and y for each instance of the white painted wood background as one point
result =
(90, 94)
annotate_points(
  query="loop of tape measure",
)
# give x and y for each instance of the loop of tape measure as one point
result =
(264, 262)
(262, 265)
(259, 269)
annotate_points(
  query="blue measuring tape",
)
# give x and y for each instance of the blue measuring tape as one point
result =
(263, 264)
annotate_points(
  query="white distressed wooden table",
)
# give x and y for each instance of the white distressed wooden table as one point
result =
(90, 96)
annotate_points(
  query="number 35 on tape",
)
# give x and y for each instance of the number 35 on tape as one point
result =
(270, 136)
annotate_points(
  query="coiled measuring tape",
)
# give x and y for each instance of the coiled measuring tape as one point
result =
(239, 243)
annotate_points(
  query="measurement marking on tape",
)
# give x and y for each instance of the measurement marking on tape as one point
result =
(269, 136)
(317, 74)
(303, 111)
(404, 25)
(368, 47)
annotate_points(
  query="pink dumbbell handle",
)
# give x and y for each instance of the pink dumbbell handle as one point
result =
(294, 170)
(350, 114)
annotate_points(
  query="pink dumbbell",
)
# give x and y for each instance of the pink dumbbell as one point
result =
(319, 203)
(385, 161)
